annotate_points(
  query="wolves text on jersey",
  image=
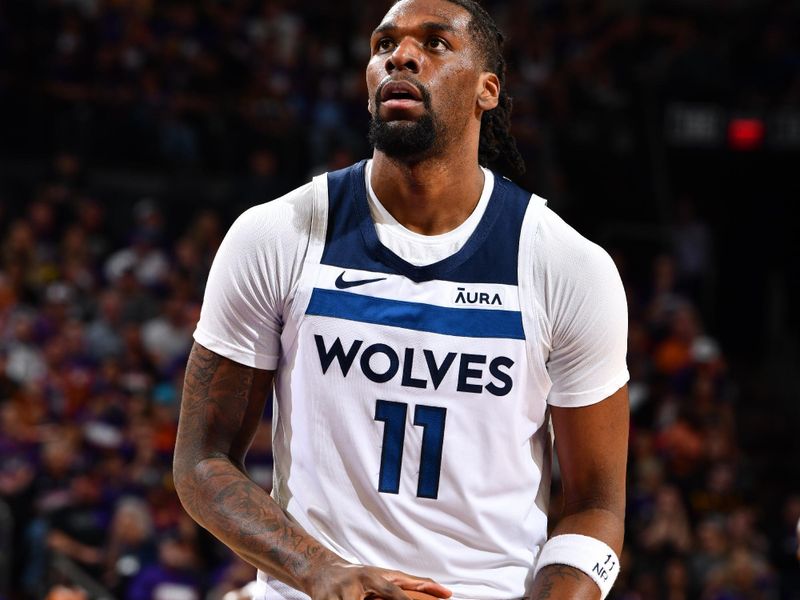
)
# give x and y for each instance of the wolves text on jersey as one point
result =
(470, 367)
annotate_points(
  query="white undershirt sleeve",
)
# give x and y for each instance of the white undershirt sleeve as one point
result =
(248, 286)
(586, 316)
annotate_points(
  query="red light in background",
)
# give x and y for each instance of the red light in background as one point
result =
(746, 134)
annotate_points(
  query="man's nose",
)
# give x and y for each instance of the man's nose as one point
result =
(405, 57)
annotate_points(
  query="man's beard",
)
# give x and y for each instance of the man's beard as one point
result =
(406, 140)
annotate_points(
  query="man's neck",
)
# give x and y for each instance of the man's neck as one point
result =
(430, 197)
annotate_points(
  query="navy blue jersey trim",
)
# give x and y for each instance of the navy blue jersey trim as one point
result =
(438, 270)
(489, 256)
(461, 322)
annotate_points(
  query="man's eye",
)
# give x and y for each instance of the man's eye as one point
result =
(436, 44)
(384, 44)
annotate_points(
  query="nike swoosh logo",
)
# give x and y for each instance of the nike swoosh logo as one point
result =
(343, 285)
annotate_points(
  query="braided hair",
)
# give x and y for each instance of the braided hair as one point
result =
(497, 145)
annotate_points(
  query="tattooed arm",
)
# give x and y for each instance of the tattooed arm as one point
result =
(592, 446)
(220, 409)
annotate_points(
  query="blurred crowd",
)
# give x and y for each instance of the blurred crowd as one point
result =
(94, 336)
(98, 298)
(697, 526)
(208, 83)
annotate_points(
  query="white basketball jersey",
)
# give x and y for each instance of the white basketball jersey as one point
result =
(410, 426)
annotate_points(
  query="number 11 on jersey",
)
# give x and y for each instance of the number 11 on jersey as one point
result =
(431, 419)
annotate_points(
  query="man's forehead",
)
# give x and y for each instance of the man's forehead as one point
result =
(447, 13)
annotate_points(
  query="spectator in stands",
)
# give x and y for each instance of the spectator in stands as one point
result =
(168, 337)
(143, 258)
(130, 546)
(174, 575)
(103, 339)
(78, 528)
(25, 361)
(710, 556)
(668, 532)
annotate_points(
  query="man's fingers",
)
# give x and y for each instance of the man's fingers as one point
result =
(380, 587)
(356, 582)
(419, 584)
(429, 587)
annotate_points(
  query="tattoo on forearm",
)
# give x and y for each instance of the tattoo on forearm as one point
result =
(220, 410)
(550, 577)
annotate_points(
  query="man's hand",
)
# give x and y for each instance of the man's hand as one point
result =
(346, 581)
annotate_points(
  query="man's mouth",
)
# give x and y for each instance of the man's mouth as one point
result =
(400, 95)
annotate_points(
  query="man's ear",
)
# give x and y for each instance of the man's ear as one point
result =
(488, 91)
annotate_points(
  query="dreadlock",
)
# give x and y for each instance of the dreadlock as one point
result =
(497, 147)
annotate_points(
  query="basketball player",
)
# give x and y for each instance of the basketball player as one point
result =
(424, 321)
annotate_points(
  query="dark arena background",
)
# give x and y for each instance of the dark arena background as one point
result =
(132, 132)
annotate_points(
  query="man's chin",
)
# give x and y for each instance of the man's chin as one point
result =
(403, 139)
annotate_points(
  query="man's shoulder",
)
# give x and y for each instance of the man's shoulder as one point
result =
(299, 199)
(298, 203)
(286, 216)
(286, 219)
(564, 256)
(562, 239)
(556, 241)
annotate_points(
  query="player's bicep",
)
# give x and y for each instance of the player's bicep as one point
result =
(592, 447)
(221, 407)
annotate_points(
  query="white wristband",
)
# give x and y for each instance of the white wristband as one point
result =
(587, 554)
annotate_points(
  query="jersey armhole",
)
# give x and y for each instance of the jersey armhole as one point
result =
(308, 275)
(534, 322)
